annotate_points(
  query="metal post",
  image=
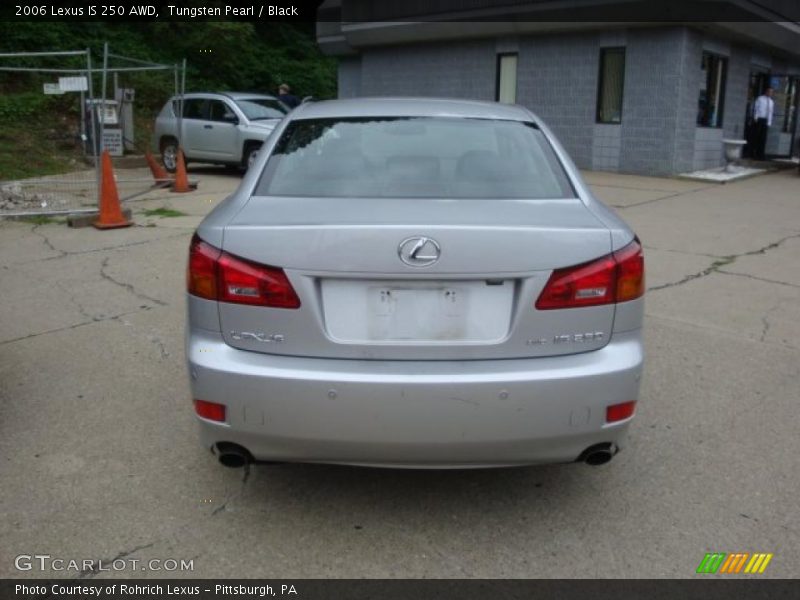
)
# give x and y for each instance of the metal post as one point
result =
(179, 102)
(79, 71)
(103, 103)
(19, 54)
(183, 93)
(82, 108)
(92, 114)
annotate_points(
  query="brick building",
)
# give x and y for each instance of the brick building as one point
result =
(637, 95)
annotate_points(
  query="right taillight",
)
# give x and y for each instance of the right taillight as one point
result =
(630, 272)
(617, 277)
(216, 275)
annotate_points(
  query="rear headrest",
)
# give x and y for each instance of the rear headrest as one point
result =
(413, 167)
(483, 165)
(344, 146)
(343, 160)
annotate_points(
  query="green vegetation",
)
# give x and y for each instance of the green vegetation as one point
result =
(221, 55)
(35, 147)
(163, 212)
(23, 106)
(38, 133)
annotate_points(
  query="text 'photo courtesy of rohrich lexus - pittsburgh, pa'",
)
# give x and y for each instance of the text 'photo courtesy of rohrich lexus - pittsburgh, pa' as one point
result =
(414, 283)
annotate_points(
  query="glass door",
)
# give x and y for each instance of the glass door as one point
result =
(781, 136)
(759, 80)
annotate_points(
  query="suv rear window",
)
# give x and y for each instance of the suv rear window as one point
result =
(414, 157)
(262, 108)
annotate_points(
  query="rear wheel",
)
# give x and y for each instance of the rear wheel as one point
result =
(169, 154)
(250, 155)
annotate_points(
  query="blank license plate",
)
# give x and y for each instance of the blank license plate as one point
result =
(447, 313)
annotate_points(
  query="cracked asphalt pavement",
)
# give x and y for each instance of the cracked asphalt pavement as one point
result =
(100, 458)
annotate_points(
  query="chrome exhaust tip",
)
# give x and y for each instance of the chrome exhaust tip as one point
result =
(232, 455)
(599, 454)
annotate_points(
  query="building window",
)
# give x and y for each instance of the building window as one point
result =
(790, 108)
(611, 84)
(712, 90)
(506, 78)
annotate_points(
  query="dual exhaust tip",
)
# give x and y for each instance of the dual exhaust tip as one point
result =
(232, 455)
(235, 456)
(599, 454)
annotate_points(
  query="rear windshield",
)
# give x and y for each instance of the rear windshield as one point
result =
(262, 108)
(414, 158)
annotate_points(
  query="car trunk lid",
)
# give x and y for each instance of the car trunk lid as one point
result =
(344, 257)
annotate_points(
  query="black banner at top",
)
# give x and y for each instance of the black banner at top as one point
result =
(355, 11)
(117, 11)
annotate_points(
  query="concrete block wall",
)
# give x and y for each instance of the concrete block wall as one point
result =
(557, 78)
(462, 69)
(653, 105)
(708, 150)
(606, 144)
(349, 76)
(736, 92)
(685, 98)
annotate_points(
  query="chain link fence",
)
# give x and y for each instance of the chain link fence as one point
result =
(43, 165)
(137, 91)
(59, 111)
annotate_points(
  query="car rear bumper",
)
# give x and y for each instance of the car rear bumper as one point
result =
(414, 414)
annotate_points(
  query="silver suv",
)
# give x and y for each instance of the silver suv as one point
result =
(225, 128)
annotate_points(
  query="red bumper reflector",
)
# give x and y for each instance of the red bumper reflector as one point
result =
(620, 412)
(210, 410)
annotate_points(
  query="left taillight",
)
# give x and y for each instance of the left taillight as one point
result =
(216, 275)
(245, 282)
(617, 277)
(201, 272)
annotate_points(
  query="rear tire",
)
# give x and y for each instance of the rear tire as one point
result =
(250, 155)
(169, 154)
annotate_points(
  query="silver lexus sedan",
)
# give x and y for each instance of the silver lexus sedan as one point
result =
(414, 283)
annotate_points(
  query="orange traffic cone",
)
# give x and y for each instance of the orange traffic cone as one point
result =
(159, 174)
(181, 184)
(111, 215)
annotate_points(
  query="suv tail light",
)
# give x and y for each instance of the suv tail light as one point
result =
(216, 275)
(618, 277)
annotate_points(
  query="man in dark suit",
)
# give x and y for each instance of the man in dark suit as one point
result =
(762, 116)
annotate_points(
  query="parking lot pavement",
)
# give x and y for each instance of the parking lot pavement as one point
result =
(99, 456)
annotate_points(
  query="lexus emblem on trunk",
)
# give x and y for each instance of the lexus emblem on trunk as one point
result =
(419, 251)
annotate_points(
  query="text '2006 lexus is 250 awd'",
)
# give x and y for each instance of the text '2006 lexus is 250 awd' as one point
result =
(414, 283)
